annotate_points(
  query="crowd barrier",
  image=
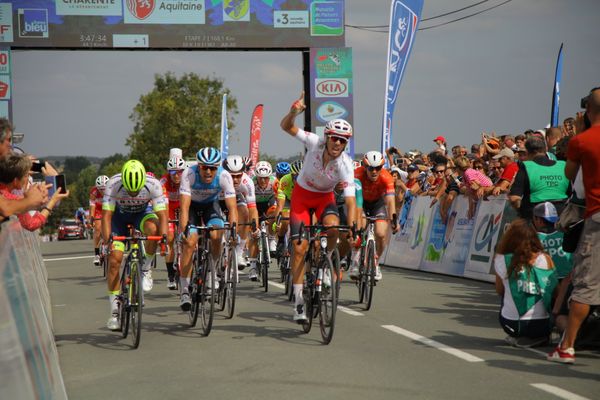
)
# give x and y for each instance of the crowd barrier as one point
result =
(463, 247)
(29, 367)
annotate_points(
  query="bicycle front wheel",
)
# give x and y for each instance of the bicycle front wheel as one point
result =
(231, 276)
(124, 308)
(328, 299)
(369, 276)
(137, 300)
(194, 291)
(207, 297)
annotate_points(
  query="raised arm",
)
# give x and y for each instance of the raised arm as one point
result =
(287, 123)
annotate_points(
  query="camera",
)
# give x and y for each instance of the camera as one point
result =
(584, 100)
(37, 165)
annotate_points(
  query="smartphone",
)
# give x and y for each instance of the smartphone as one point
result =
(57, 181)
(37, 165)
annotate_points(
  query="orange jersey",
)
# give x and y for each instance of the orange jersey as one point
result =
(373, 191)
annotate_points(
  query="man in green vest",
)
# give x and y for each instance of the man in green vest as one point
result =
(544, 218)
(538, 180)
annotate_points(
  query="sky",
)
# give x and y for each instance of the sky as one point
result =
(491, 72)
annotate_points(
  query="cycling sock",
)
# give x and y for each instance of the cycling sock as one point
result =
(298, 294)
(170, 270)
(184, 283)
(97, 251)
(148, 262)
(112, 299)
(355, 257)
(241, 245)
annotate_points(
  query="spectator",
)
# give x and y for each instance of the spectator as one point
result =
(584, 152)
(569, 126)
(453, 189)
(561, 148)
(526, 279)
(496, 171)
(544, 218)
(475, 181)
(539, 179)
(522, 154)
(441, 145)
(14, 177)
(520, 141)
(475, 149)
(5, 137)
(509, 142)
(553, 135)
(506, 158)
(439, 171)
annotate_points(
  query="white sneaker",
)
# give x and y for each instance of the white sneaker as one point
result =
(326, 278)
(378, 275)
(147, 282)
(272, 245)
(209, 283)
(241, 261)
(185, 303)
(252, 274)
(354, 272)
(171, 285)
(113, 321)
(299, 313)
(96, 259)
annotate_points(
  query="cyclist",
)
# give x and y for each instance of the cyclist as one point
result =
(325, 164)
(284, 198)
(131, 198)
(170, 183)
(80, 217)
(96, 195)
(199, 204)
(281, 169)
(266, 196)
(338, 192)
(246, 207)
(378, 200)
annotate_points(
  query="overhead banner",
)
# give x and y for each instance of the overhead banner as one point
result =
(224, 129)
(331, 94)
(556, 91)
(404, 20)
(5, 84)
(255, 130)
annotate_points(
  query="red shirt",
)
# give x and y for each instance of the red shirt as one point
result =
(373, 191)
(584, 149)
(510, 171)
(96, 201)
(171, 192)
(29, 220)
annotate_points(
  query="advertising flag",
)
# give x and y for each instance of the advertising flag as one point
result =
(404, 20)
(556, 91)
(224, 130)
(255, 129)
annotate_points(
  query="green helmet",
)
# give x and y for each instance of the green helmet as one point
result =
(133, 176)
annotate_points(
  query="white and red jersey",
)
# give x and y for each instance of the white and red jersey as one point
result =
(246, 190)
(171, 192)
(96, 200)
(316, 178)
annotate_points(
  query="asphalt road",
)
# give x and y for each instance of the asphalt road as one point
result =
(426, 337)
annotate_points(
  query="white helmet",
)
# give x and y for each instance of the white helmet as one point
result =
(234, 164)
(373, 159)
(176, 163)
(101, 181)
(338, 127)
(263, 169)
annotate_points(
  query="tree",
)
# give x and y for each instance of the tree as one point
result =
(184, 113)
(80, 191)
(116, 158)
(73, 166)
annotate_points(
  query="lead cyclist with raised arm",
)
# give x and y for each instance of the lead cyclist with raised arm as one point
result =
(325, 164)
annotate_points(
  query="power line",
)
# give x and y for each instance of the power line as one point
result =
(376, 28)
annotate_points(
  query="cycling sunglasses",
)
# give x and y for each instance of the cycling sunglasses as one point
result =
(372, 169)
(175, 172)
(208, 168)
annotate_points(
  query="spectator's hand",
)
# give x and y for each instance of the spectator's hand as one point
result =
(48, 170)
(433, 201)
(298, 106)
(58, 196)
(496, 191)
(38, 195)
(480, 192)
(579, 125)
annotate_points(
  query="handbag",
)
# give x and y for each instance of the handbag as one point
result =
(571, 215)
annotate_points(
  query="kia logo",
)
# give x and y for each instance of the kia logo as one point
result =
(331, 87)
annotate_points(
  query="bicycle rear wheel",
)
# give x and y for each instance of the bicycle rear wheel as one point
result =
(207, 297)
(369, 281)
(309, 297)
(136, 304)
(328, 299)
(222, 279)
(231, 276)
(264, 263)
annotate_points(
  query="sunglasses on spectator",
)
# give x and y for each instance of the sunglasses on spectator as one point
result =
(372, 169)
(338, 139)
(208, 168)
(175, 172)
(440, 171)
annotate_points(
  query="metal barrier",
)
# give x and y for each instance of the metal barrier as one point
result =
(29, 367)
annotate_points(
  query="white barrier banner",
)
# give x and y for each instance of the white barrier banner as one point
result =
(485, 235)
(447, 247)
(405, 248)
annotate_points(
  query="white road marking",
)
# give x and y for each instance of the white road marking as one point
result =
(437, 345)
(558, 392)
(66, 258)
(278, 285)
(350, 311)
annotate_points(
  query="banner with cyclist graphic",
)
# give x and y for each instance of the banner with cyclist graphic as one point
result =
(255, 130)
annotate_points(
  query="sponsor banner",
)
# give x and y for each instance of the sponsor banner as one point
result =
(224, 129)
(485, 236)
(5, 61)
(556, 92)
(406, 247)
(331, 87)
(164, 12)
(255, 130)
(4, 113)
(4, 87)
(404, 20)
(236, 10)
(33, 22)
(327, 18)
(89, 7)
(447, 246)
(6, 23)
(290, 19)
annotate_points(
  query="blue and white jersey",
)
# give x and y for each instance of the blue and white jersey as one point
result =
(203, 193)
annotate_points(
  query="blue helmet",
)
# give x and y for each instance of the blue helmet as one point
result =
(283, 168)
(208, 156)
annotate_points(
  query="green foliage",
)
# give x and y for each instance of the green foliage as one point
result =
(66, 209)
(81, 190)
(108, 165)
(73, 166)
(179, 112)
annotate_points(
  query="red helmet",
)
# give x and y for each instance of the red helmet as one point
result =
(340, 128)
